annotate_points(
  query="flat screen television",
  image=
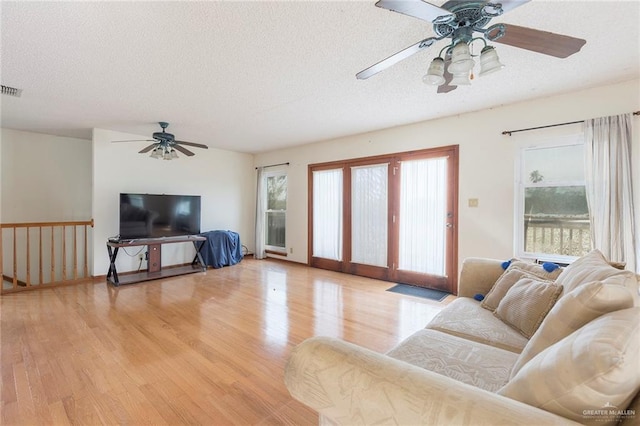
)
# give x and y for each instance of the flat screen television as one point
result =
(158, 215)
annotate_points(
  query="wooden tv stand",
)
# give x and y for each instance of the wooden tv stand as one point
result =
(154, 270)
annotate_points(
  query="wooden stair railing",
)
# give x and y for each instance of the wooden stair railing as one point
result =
(21, 238)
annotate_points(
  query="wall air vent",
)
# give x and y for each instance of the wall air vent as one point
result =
(11, 91)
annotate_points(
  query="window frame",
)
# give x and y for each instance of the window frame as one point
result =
(519, 199)
(271, 248)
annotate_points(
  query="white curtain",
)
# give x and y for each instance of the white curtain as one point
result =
(260, 213)
(327, 214)
(608, 186)
(423, 204)
(369, 206)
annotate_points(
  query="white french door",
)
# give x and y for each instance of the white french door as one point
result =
(399, 217)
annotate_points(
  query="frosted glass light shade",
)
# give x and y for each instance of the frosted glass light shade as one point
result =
(460, 79)
(156, 153)
(489, 61)
(461, 59)
(435, 74)
(174, 154)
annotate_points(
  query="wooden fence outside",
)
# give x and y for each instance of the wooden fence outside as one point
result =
(43, 254)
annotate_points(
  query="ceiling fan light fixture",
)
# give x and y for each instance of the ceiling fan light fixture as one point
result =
(174, 154)
(461, 59)
(435, 73)
(156, 153)
(489, 61)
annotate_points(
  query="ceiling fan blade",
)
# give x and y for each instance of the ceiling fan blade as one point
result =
(394, 59)
(418, 9)
(509, 5)
(446, 87)
(136, 140)
(185, 151)
(197, 145)
(558, 45)
(147, 149)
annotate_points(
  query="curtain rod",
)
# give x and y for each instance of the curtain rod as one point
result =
(508, 132)
(273, 165)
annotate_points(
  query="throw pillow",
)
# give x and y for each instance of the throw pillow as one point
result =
(572, 311)
(527, 303)
(594, 267)
(537, 270)
(500, 288)
(592, 369)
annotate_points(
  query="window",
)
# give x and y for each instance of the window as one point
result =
(553, 217)
(276, 211)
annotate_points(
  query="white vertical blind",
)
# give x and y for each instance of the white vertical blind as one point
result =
(369, 205)
(327, 214)
(423, 204)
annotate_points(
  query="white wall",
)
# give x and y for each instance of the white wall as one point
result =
(487, 160)
(44, 177)
(224, 180)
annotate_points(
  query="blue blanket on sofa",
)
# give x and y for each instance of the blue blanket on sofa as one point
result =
(222, 248)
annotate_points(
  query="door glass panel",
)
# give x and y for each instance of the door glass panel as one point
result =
(327, 214)
(422, 227)
(369, 205)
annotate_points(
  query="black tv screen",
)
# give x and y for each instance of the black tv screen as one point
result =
(155, 215)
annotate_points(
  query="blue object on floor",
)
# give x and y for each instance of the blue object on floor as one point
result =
(412, 290)
(222, 248)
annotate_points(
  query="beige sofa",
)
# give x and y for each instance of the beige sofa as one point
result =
(558, 347)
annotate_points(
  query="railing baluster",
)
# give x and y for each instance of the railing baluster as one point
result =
(1, 259)
(75, 252)
(15, 260)
(86, 259)
(64, 253)
(28, 258)
(40, 278)
(53, 257)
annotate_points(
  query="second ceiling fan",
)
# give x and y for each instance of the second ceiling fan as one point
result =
(459, 20)
(165, 144)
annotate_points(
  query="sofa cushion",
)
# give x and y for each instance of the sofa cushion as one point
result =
(501, 287)
(595, 267)
(592, 368)
(464, 317)
(527, 303)
(464, 360)
(574, 310)
(632, 414)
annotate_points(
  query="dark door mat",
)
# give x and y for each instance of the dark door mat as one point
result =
(412, 290)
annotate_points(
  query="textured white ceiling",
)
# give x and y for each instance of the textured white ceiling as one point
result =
(259, 75)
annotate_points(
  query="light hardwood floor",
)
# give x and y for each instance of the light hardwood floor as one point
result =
(207, 348)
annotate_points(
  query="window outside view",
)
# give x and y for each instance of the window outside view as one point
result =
(556, 216)
(276, 211)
